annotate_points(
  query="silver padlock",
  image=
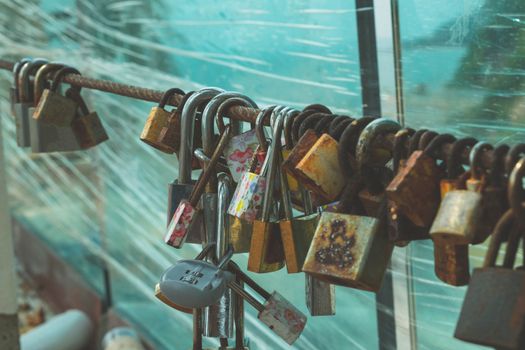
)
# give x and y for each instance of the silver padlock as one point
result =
(183, 186)
(283, 318)
(26, 102)
(195, 283)
(47, 137)
(218, 318)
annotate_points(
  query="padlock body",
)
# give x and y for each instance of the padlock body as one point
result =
(458, 217)
(493, 312)
(401, 229)
(240, 235)
(53, 108)
(319, 170)
(179, 226)
(451, 262)
(169, 136)
(239, 152)
(266, 248)
(45, 138)
(88, 130)
(22, 124)
(283, 318)
(320, 296)
(371, 202)
(157, 119)
(218, 318)
(298, 152)
(297, 235)
(165, 300)
(247, 198)
(176, 193)
(415, 189)
(349, 250)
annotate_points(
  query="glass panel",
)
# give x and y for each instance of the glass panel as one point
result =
(110, 201)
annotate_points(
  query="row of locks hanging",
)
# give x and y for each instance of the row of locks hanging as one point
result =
(318, 193)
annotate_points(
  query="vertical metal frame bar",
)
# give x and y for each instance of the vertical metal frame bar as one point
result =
(9, 337)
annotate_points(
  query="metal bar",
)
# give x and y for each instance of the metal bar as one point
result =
(398, 64)
(366, 36)
(9, 337)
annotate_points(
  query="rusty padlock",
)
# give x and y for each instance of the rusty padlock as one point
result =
(415, 188)
(25, 106)
(493, 312)
(185, 215)
(451, 261)
(307, 111)
(460, 215)
(54, 108)
(158, 119)
(86, 126)
(266, 246)
(245, 205)
(47, 137)
(168, 139)
(281, 316)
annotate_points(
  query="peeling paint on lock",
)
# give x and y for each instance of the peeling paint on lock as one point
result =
(180, 224)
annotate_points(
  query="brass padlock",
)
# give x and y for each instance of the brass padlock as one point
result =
(283, 318)
(415, 188)
(296, 232)
(266, 246)
(169, 136)
(86, 126)
(54, 108)
(451, 261)
(245, 205)
(493, 312)
(47, 137)
(157, 120)
(24, 107)
(185, 215)
(182, 187)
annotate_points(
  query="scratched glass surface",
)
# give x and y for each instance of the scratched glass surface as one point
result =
(109, 202)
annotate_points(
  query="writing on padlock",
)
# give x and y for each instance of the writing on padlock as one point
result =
(182, 219)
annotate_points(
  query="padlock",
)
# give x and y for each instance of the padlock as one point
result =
(266, 246)
(287, 150)
(14, 91)
(320, 296)
(515, 154)
(283, 318)
(182, 187)
(451, 261)
(460, 216)
(47, 137)
(54, 108)
(241, 147)
(185, 215)
(195, 283)
(493, 312)
(25, 101)
(218, 318)
(168, 139)
(319, 169)
(86, 126)
(415, 188)
(296, 232)
(245, 205)
(157, 120)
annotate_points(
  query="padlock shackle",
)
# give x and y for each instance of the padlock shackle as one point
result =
(16, 71)
(310, 122)
(205, 251)
(453, 161)
(332, 127)
(205, 160)
(239, 319)
(189, 112)
(515, 153)
(167, 95)
(515, 192)
(337, 132)
(308, 110)
(24, 78)
(500, 231)
(246, 296)
(222, 230)
(475, 158)
(348, 144)
(209, 115)
(288, 122)
(59, 76)
(205, 175)
(248, 280)
(413, 144)
(400, 150)
(497, 169)
(425, 139)
(259, 127)
(434, 146)
(240, 101)
(41, 78)
(323, 124)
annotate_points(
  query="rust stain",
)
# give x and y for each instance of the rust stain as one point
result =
(338, 252)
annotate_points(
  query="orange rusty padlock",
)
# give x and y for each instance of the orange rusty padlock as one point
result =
(168, 139)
